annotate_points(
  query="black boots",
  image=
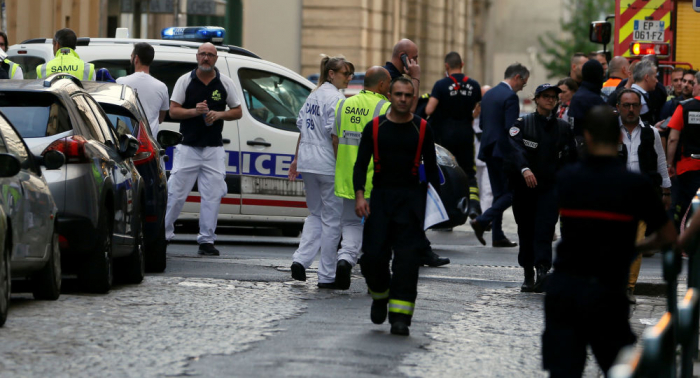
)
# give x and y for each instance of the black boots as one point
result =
(399, 328)
(342, 274)
(379, 311)
(528, 285)
(541, 275)
(298, 272)
(431, 259)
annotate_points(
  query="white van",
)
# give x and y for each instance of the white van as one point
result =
(260, 145)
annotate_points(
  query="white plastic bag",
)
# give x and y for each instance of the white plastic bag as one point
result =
(434, 209)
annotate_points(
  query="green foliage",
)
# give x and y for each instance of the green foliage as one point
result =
(574, 37)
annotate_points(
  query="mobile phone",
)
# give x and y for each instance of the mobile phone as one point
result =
(664, 125)
(404, 59)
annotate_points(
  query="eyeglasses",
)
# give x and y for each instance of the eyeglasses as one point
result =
(347, 74)
(206, 55)
(627, 105)
(550, 97)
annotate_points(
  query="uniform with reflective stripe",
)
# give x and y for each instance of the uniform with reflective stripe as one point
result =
(401, 307)
(13, 67)
(378, 296)
(351, 116)
(67, 61)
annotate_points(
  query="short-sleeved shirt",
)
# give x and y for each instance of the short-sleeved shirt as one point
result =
(455, 101)
(153, 94)
(220, 92)
(686, 164)
(601, 204)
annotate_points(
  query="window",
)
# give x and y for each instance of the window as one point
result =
(122, 120)
(273, 99)
(105, 126)
(167, 72)
(15, 145)
(35, 115)
(28, 64)
(88, 118)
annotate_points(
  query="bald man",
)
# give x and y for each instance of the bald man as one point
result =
(404, 61)
(619, 69)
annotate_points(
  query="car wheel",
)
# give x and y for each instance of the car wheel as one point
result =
(134, 265)
(97, 272)
(155, 253)
(5, 281)
(46, 283)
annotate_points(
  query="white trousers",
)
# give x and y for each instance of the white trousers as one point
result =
(322, 227)
(352, 227)
(482, 179)
(206, 166)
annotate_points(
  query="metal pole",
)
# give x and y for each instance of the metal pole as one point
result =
(176, 13)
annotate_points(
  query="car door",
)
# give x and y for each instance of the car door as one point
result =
(268, 137)
(32, 208)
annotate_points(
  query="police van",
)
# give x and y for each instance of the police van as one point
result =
(260, 146)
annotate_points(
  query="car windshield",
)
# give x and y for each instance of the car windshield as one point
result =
(35, 115)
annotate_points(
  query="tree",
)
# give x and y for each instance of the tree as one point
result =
(574, 37)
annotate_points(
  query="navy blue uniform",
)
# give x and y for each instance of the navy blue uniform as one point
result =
(601, 204)
(542, 145)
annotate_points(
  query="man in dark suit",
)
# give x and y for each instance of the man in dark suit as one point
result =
(500, 108)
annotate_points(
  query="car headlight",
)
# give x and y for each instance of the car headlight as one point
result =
(444, 157)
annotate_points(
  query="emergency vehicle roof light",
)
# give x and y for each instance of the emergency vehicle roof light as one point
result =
(661, 50)
(213, 34)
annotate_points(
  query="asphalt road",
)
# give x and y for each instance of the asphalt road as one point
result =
(240, 314)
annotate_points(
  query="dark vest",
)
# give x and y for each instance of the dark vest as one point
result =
(647, 155)
(690, 135)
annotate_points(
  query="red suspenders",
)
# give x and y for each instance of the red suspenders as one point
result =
(416, 160)
(457, 85)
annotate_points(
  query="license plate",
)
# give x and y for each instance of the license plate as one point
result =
(652, 31)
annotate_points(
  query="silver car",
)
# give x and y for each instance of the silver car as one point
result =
(30, 238)
(98, 191)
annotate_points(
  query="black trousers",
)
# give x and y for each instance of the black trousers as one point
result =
(458, 137)
(395, 224)
(581, 311)
(502, 198)
(536, 214)
(683, 191)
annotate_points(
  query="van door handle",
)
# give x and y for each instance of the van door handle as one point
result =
(226, 141)
(258, 143)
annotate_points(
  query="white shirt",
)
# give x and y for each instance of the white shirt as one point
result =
(153, 94)
(315, 122)
(645, 108)
(632, 142)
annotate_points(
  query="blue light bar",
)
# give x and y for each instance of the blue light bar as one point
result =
(213, 34)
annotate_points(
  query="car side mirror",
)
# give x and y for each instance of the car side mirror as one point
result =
(52, 160)
(128, 146)
(9, 165)
(600, 32)
(168, 138)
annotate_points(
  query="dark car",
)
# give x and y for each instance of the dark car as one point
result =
(124, 110)
(98, 192)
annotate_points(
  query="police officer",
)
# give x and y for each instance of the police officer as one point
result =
(450, 106)
(599, 202)
(66, 60)
(351, 116)
(685, 131)
(199, 101)
(12, 69)
(540, 143)
(396, 141)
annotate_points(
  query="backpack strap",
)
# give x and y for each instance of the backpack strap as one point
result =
(375, 134)
(421, 137)
(457, 86)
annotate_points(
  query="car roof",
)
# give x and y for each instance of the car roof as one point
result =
(43, 85)
(112, 93)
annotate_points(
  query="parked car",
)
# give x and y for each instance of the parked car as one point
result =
(98, 192)
(125, 112)
(260, 146)
(28, 218)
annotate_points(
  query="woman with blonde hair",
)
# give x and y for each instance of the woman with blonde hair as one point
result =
(315, 160)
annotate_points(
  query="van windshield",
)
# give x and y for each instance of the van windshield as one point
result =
(35, 115)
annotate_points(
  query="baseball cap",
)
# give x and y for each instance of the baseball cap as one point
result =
(543, 87)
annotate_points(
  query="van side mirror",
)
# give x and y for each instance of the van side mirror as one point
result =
(168, 138)
(600, 32)
(9, 165)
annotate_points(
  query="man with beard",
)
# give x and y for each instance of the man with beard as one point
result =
(153, 93)
(199, 101)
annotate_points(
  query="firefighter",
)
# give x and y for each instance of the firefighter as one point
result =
(450, 106)
(395, 219)
(351, 115)
(540, 144)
